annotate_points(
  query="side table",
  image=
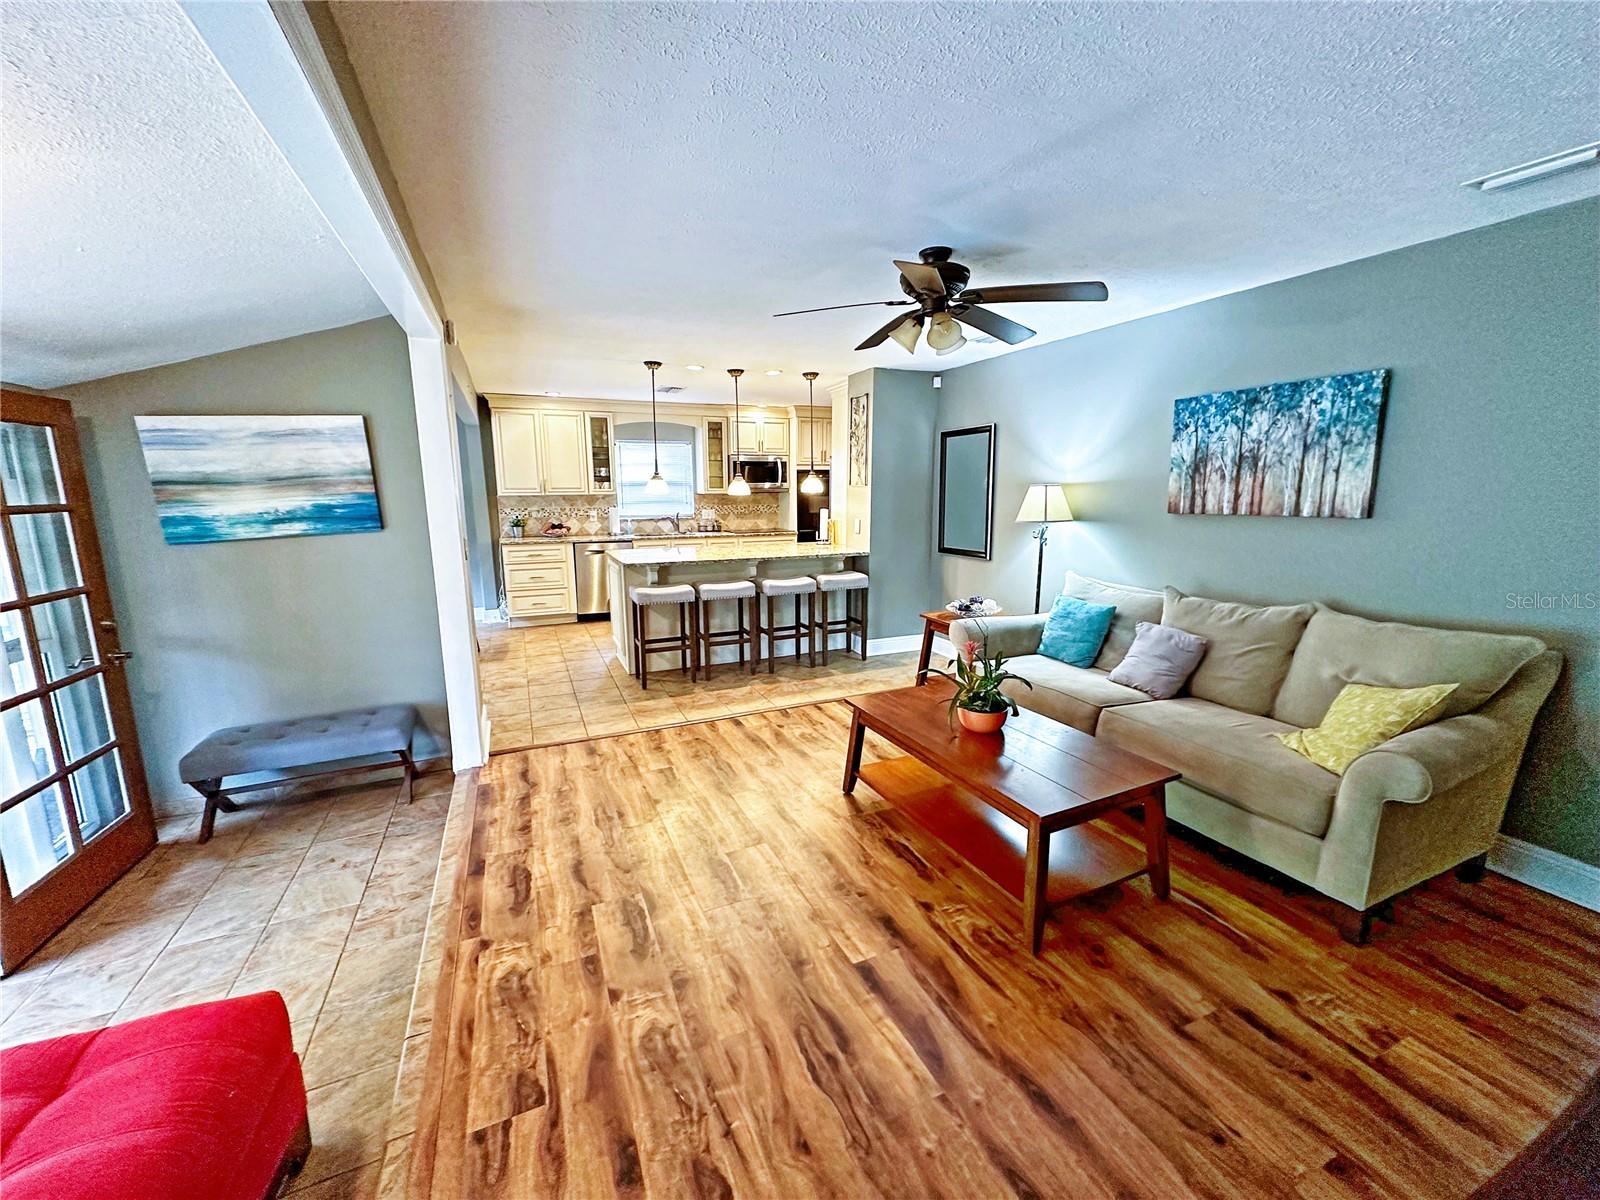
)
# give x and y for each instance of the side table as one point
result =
(934, 622)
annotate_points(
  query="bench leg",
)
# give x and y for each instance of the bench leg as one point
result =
(411, 773)
(211, 789)
(293, 1160)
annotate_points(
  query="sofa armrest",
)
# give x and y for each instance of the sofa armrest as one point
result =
(1010, 636)
(1383, 838)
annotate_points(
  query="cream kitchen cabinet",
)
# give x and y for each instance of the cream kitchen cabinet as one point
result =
(716, 443)
(763, 433)
(564, 453)
(516, 451)
(539, 580)
(803, 440)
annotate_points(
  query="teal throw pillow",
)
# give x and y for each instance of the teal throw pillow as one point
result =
(1074, 630)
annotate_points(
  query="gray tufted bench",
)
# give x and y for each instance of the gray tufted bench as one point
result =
(286, 745)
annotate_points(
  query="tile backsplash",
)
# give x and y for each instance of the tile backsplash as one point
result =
(592, 514)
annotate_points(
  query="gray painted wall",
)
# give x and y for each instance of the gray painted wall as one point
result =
(905, 579)
(231, 632)
(1486, 481)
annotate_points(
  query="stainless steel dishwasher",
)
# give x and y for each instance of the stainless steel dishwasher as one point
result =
(589, 571)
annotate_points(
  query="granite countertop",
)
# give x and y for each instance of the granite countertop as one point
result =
(713, 552)
(536, 538)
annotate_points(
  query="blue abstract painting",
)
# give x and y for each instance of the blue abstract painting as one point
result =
(1303, 449)
(224, 479)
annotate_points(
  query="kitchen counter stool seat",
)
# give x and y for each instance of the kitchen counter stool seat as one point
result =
(685, 642)
(826, 626)
(743, 634)
(799, 630)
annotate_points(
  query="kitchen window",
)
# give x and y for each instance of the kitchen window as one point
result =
(635, 462)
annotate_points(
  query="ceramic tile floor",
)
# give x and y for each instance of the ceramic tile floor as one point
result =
(322, 896)
(560, 683)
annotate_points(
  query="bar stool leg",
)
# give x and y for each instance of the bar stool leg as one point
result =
(826, 605)
(755, 634)
(744, 630)
(811, 626)
(694, 644)
(640, 633)
(863, 627)
(772, 635)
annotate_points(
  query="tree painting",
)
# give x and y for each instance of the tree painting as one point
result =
(1302, 449)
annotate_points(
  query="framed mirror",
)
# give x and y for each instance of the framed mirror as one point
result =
(966, 491)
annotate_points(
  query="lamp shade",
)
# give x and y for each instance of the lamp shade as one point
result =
(1045, 503)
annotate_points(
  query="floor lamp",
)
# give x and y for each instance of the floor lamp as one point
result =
(1046, 504)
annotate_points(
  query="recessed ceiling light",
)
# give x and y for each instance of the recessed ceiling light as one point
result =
(1539, 168)
(694, 367)
(774, 372)
(552, 393)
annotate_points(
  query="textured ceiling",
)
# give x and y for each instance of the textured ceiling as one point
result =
(147, 216)
(596, 184)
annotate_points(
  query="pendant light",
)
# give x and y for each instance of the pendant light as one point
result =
(656, 485)
(737, 486)
(812, 483)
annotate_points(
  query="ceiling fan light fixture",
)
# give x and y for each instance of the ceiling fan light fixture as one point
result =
(907, 332)
(944, 334)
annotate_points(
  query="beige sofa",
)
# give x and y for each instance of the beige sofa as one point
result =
(1420, 804)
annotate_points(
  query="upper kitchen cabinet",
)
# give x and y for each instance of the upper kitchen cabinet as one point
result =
(763, 433)
(516, 451)
(564, 453)
(804, 435)
(600, 451)
(716, 443)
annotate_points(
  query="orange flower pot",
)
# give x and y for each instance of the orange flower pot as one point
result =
(982, 722)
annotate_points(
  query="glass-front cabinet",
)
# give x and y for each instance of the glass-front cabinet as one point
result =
(600, 452)
(715, 449)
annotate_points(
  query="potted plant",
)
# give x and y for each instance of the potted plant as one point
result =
(518, 523)
(978, 701)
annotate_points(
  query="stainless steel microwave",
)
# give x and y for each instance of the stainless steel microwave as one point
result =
(763, 472)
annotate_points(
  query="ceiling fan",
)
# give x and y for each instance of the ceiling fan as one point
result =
(938, 288)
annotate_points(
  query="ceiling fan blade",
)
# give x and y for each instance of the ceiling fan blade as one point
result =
(1024, 293)
(922, 277)
(830, 307)
(992, 323)
(881, 335)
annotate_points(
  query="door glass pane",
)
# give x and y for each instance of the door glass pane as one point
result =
(44, 544)
(16, 667)
(8, 586)
(33, 838)
(82, 716)
(98, 794)
(25, 756)
(66, 639)
(28, 472)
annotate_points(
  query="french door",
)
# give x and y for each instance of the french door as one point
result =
(74, 811)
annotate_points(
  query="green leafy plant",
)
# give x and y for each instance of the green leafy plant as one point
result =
(978, 676)
(518, 522)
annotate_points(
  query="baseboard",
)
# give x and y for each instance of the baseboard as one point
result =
(1546, 870)
(911, 641)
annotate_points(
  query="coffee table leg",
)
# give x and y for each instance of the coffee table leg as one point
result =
(927, 653)
(852, 753)
(1155, 842)
(1035, 886)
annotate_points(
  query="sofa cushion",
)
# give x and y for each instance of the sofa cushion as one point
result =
(1363, 718)
(1250, 647)
(199, 1101)
(1072, 695)
(1231, 754)
(1075, 631)
(1338, 649)
(1133, 604)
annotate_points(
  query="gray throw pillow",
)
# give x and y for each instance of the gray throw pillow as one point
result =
(1160, 660)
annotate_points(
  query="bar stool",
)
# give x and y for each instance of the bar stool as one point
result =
(645, 598)
(742, 635)
(846, 582)
(800, 585)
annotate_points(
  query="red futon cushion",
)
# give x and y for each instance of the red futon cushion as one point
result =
(198, 1103)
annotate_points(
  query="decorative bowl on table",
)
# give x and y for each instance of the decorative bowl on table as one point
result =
(974, 606)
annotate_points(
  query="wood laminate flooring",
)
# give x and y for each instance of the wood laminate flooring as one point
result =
(682, 963)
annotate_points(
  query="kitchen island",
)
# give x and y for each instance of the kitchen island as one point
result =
(647, 565)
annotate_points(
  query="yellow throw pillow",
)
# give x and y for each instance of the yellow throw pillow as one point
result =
(1362, 717)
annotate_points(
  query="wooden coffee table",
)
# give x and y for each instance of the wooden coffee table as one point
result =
(970, 790)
